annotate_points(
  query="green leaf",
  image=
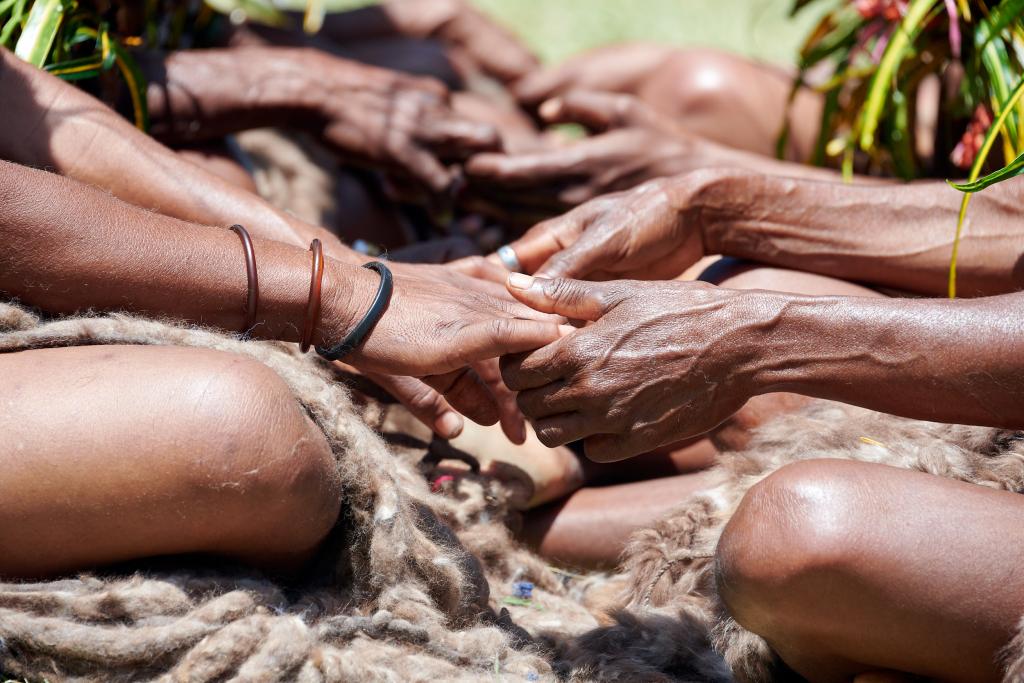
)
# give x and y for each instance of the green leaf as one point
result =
(136, 83)
(313, 20)
(13, 23)
(979, 161)
(41, 28)
(998, 20)
(885, 77)
(1011, 170)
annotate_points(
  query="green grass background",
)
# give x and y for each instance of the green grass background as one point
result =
(556, 29)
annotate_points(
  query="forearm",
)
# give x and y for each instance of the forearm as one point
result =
(69, 247)
(942, 360)
(50, 124)
(898, 236)
(200, 95)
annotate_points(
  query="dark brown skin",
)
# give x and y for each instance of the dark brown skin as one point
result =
(847, 568)
(50, 124)
(365, 114)
(455, 23)
(717, 96)
(665, 361)
(635, 144)
(843, 231)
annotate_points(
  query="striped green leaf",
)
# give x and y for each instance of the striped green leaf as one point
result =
(41, 28)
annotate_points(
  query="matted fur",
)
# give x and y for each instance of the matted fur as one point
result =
(414, 591)
(402, 598)
(670, 566)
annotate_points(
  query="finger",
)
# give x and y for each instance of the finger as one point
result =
(481, 268)
(425, 404)
(525, 371)
(595, 110)
(579, 260)
(562, 429)
(520, 170)
(458, 137)
(502, 336)
(551, 399)
(575, 299)
(540, 85)
(425, 167)
(512, 421)
(546, 239)
(468, 394)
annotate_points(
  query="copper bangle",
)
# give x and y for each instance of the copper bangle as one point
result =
(252, 299)
(316, 282)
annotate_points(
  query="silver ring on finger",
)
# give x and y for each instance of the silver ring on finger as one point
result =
(508, 258)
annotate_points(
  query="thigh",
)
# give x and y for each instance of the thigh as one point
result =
(109, 453)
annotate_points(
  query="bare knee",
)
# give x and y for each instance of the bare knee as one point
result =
(793, 532)
(696, 80)
(269, 471)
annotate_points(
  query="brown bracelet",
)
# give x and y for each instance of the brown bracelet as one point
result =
(316, 282)
(252, 300)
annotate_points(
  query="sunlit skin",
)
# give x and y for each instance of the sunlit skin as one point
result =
(662, 361)
(50, 124)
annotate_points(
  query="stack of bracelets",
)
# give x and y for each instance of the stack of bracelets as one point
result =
(354, 338)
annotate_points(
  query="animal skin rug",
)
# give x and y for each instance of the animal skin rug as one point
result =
(410, 586)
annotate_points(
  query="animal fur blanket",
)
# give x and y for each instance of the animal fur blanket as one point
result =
(410, 586)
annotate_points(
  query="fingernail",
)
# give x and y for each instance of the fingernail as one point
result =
(551, 108)
(450, 425)
(520, 281)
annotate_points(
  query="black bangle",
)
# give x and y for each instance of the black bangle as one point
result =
(366, 325)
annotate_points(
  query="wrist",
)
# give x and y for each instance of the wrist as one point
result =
(713, 199)
(794, 349)
(347, 293)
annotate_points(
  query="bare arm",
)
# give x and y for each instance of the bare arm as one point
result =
(665, 361)
(897, 236)
(365, 114)
(50, 124)
(68, 247)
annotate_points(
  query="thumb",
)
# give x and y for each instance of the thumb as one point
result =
(597, 111)
(579, 260)
(575, 299)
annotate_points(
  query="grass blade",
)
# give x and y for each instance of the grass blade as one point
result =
(36, 39)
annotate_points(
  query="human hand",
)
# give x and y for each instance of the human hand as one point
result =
(662, 362)
(432, 328)
(615, 68)
(651, 232)
(400, 122)
(459, 25)
(440, 402)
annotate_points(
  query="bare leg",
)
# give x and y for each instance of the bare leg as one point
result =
(590, 527)
(734, 101)
(111, 453)
(847, 568)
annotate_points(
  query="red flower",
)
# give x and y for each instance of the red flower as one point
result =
(890, 10)
(966, 150)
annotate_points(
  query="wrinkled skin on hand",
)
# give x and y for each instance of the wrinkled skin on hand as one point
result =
(640, 145)
(400, 122)
(433, 328)
(645, 233)
(662, 362)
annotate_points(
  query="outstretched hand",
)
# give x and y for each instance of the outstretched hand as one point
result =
(662, 361)
(403, 123)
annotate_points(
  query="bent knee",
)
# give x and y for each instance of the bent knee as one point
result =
(792, 533)
(698, 79)
(265, 463)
